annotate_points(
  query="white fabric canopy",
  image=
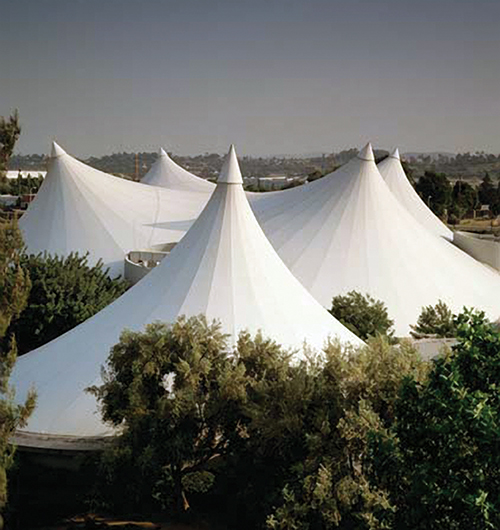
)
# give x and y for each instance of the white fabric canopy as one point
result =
(81, 209)
(394, 175)
(342, 232)
(167, 174)
(347, 231)
(223, 268)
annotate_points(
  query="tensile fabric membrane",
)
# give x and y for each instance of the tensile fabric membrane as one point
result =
(224, 268)
(395, 177)
(165, 173)
(81, 209)
(347, 231)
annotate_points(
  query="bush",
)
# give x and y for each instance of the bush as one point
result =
(330, 486)
(14, 289)
(440, 461)
(177, 395)
(64, 293)
(362, 314)
(250, 437)
(435, 320)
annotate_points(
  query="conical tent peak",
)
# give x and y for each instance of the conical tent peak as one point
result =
(162, 152)
(56, 150)
(395, 154)
(230, 172)
(366, 153)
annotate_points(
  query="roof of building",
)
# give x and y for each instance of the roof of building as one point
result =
(393, 173)
(224, 268)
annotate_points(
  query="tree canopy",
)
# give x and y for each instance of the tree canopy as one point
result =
(175, 392)
(362, 314)
(14, 289)
(10, 129)
(437, 320)
(261, 436)
(440, 460)
(435, 190)
(65, 292)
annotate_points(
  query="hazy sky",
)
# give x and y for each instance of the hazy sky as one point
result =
(273, 77)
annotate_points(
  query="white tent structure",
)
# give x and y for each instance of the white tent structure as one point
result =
(223, 268)
(347, 231)
(393, 173)
(80, 209)
(167, 174)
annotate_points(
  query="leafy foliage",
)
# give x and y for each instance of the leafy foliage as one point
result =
(487, 191)
(175, 392)
(259, 436)
(14, 281)
(65, 292)
(440, 461)
(362, 314)
(435, 190)
(464, 199)
(10, 129)
(21, 186)
(435, 320)
(331, 487)
(14, 288)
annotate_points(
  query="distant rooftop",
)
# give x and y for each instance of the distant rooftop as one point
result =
(13, 174)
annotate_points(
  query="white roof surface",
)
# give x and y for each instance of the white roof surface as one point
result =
(393, 173)
(223, 268)
(14, 173)
(79, 208)
(167, 174)
(342, 232)
(347, 231)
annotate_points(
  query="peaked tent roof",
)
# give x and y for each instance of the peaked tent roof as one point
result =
(79, 208)
(223, 268)
(393, 173)
(167, 174)
(348, 231)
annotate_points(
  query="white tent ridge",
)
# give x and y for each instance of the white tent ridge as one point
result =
(394, 175)
(224, 268)
(167, 174)
(81, 209)
(342, 232)
(347, 231)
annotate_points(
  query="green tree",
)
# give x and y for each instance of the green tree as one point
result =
(440, 460)
(257, 436)
(65, 291)
(464, 199)
(435, 190)
(486, 191)
(410, 174)
(285, 402)
(176, 395)
(10, 129)
(435, 320)
(330, 487)
(14, 288)
(362, 314)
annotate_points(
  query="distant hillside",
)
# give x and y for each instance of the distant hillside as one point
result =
(433, 156)
(468, 166)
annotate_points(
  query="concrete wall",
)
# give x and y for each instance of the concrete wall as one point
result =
(139, 262)
(483, 247)
(433, 347)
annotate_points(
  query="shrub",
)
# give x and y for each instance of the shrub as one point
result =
(435, 320)
(64, 293)
(362, 314)
(440, 461)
